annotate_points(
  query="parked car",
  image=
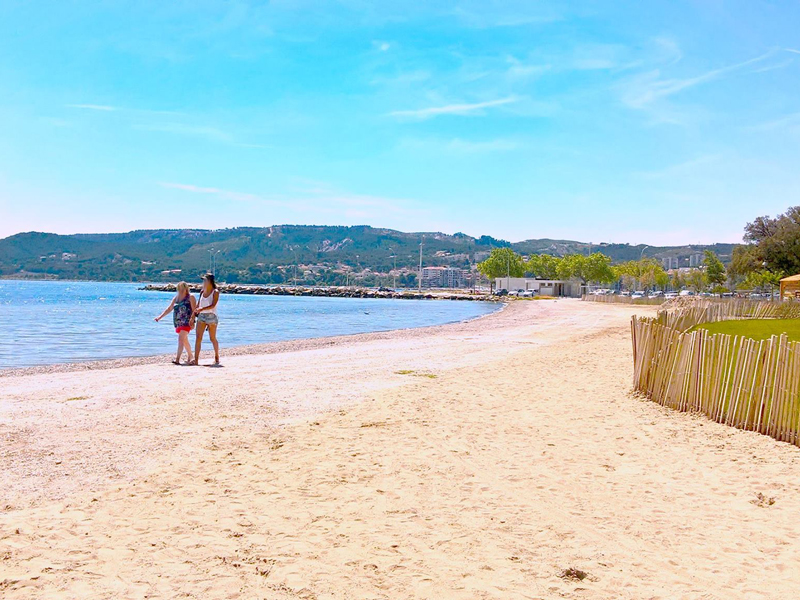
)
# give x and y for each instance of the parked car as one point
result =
(671, 295)
(685, 293)
(656, 294)
(501, 293)
(637, 295)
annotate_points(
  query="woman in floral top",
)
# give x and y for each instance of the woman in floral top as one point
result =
(182, 306)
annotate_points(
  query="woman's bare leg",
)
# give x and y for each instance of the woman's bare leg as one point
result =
(180, 348)
(212, 333)
(184, 340)
(201, 327)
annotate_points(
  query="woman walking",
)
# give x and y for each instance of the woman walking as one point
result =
(206, 312)
(182, 307)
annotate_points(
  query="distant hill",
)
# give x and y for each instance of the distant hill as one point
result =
(271, 254)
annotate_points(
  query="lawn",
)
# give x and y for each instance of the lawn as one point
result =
(758, 329)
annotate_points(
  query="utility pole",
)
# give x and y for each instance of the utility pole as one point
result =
(394, 272)
(212, 261)
(295, 265)
(641, 256)
(420, 267)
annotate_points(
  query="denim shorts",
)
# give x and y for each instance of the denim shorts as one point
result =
(208, 318)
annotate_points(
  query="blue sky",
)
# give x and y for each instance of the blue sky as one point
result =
(653, 122)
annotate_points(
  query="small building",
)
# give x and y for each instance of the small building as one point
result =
(790, 287)
(540, 287)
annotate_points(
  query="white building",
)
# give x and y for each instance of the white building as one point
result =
(670, 262)
(540, 287)
(695, 260)
(444, 277)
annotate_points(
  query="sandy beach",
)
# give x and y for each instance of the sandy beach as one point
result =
(497, 458)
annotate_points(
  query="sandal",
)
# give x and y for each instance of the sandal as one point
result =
(176, 362)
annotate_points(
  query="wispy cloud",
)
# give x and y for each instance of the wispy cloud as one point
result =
(154, 120)
(381, 46)
(519, 70)
(221, 193)
(206, 132)
(101, 107)
(461, 146)
(774, 67)
(792, 50)
(201, 131)
(651, 87)
(684, 168)
(668, 50)
(452, 109)
(787, 122)
(484, 15)
(317, 198)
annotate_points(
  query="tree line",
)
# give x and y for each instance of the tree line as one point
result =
(645, 273)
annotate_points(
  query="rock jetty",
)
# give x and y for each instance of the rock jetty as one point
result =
(329, 292)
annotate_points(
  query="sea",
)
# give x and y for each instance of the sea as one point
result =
(51, 322)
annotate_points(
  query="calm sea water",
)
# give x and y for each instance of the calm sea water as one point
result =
(47, 322)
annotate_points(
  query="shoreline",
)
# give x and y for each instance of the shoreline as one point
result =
(277, 347)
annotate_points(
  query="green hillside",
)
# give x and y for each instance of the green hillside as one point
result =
(270, 254)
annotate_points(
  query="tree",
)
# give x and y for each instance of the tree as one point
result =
(595, 267)
(696, 279)
(715, 270)
(645, 272)
(502, 262)
(487, 240)
(678, 281)
(762, 280)
(743, 262)
(543, 266)
(776, 241)
(661, 278)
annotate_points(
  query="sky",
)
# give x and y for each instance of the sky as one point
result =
(658, 122)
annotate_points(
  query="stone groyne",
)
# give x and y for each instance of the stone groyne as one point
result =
(330, 292)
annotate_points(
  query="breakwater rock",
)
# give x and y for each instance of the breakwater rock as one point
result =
(329, 292)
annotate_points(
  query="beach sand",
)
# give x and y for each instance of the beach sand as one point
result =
(478, 460)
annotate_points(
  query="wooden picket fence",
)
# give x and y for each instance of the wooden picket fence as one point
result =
(741, 382)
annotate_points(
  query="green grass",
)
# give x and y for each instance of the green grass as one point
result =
(757, 329)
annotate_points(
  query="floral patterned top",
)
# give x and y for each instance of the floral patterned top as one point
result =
(182, 312)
